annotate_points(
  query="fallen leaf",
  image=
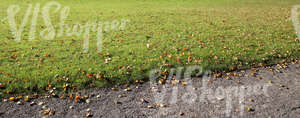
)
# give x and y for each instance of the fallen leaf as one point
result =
(47, 55)
(88, 115)
(116, 102)
(183, 83)
(250, 109)
(19, 103)
(127, 89)
(12, 98)
(26, 98)
(149, 106)
(14, 56)
(1, 85)
(114, 89)
(77, 98)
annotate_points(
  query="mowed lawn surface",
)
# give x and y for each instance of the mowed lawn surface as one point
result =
(219, 35)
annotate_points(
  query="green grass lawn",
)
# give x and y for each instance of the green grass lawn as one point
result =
(219, 35)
